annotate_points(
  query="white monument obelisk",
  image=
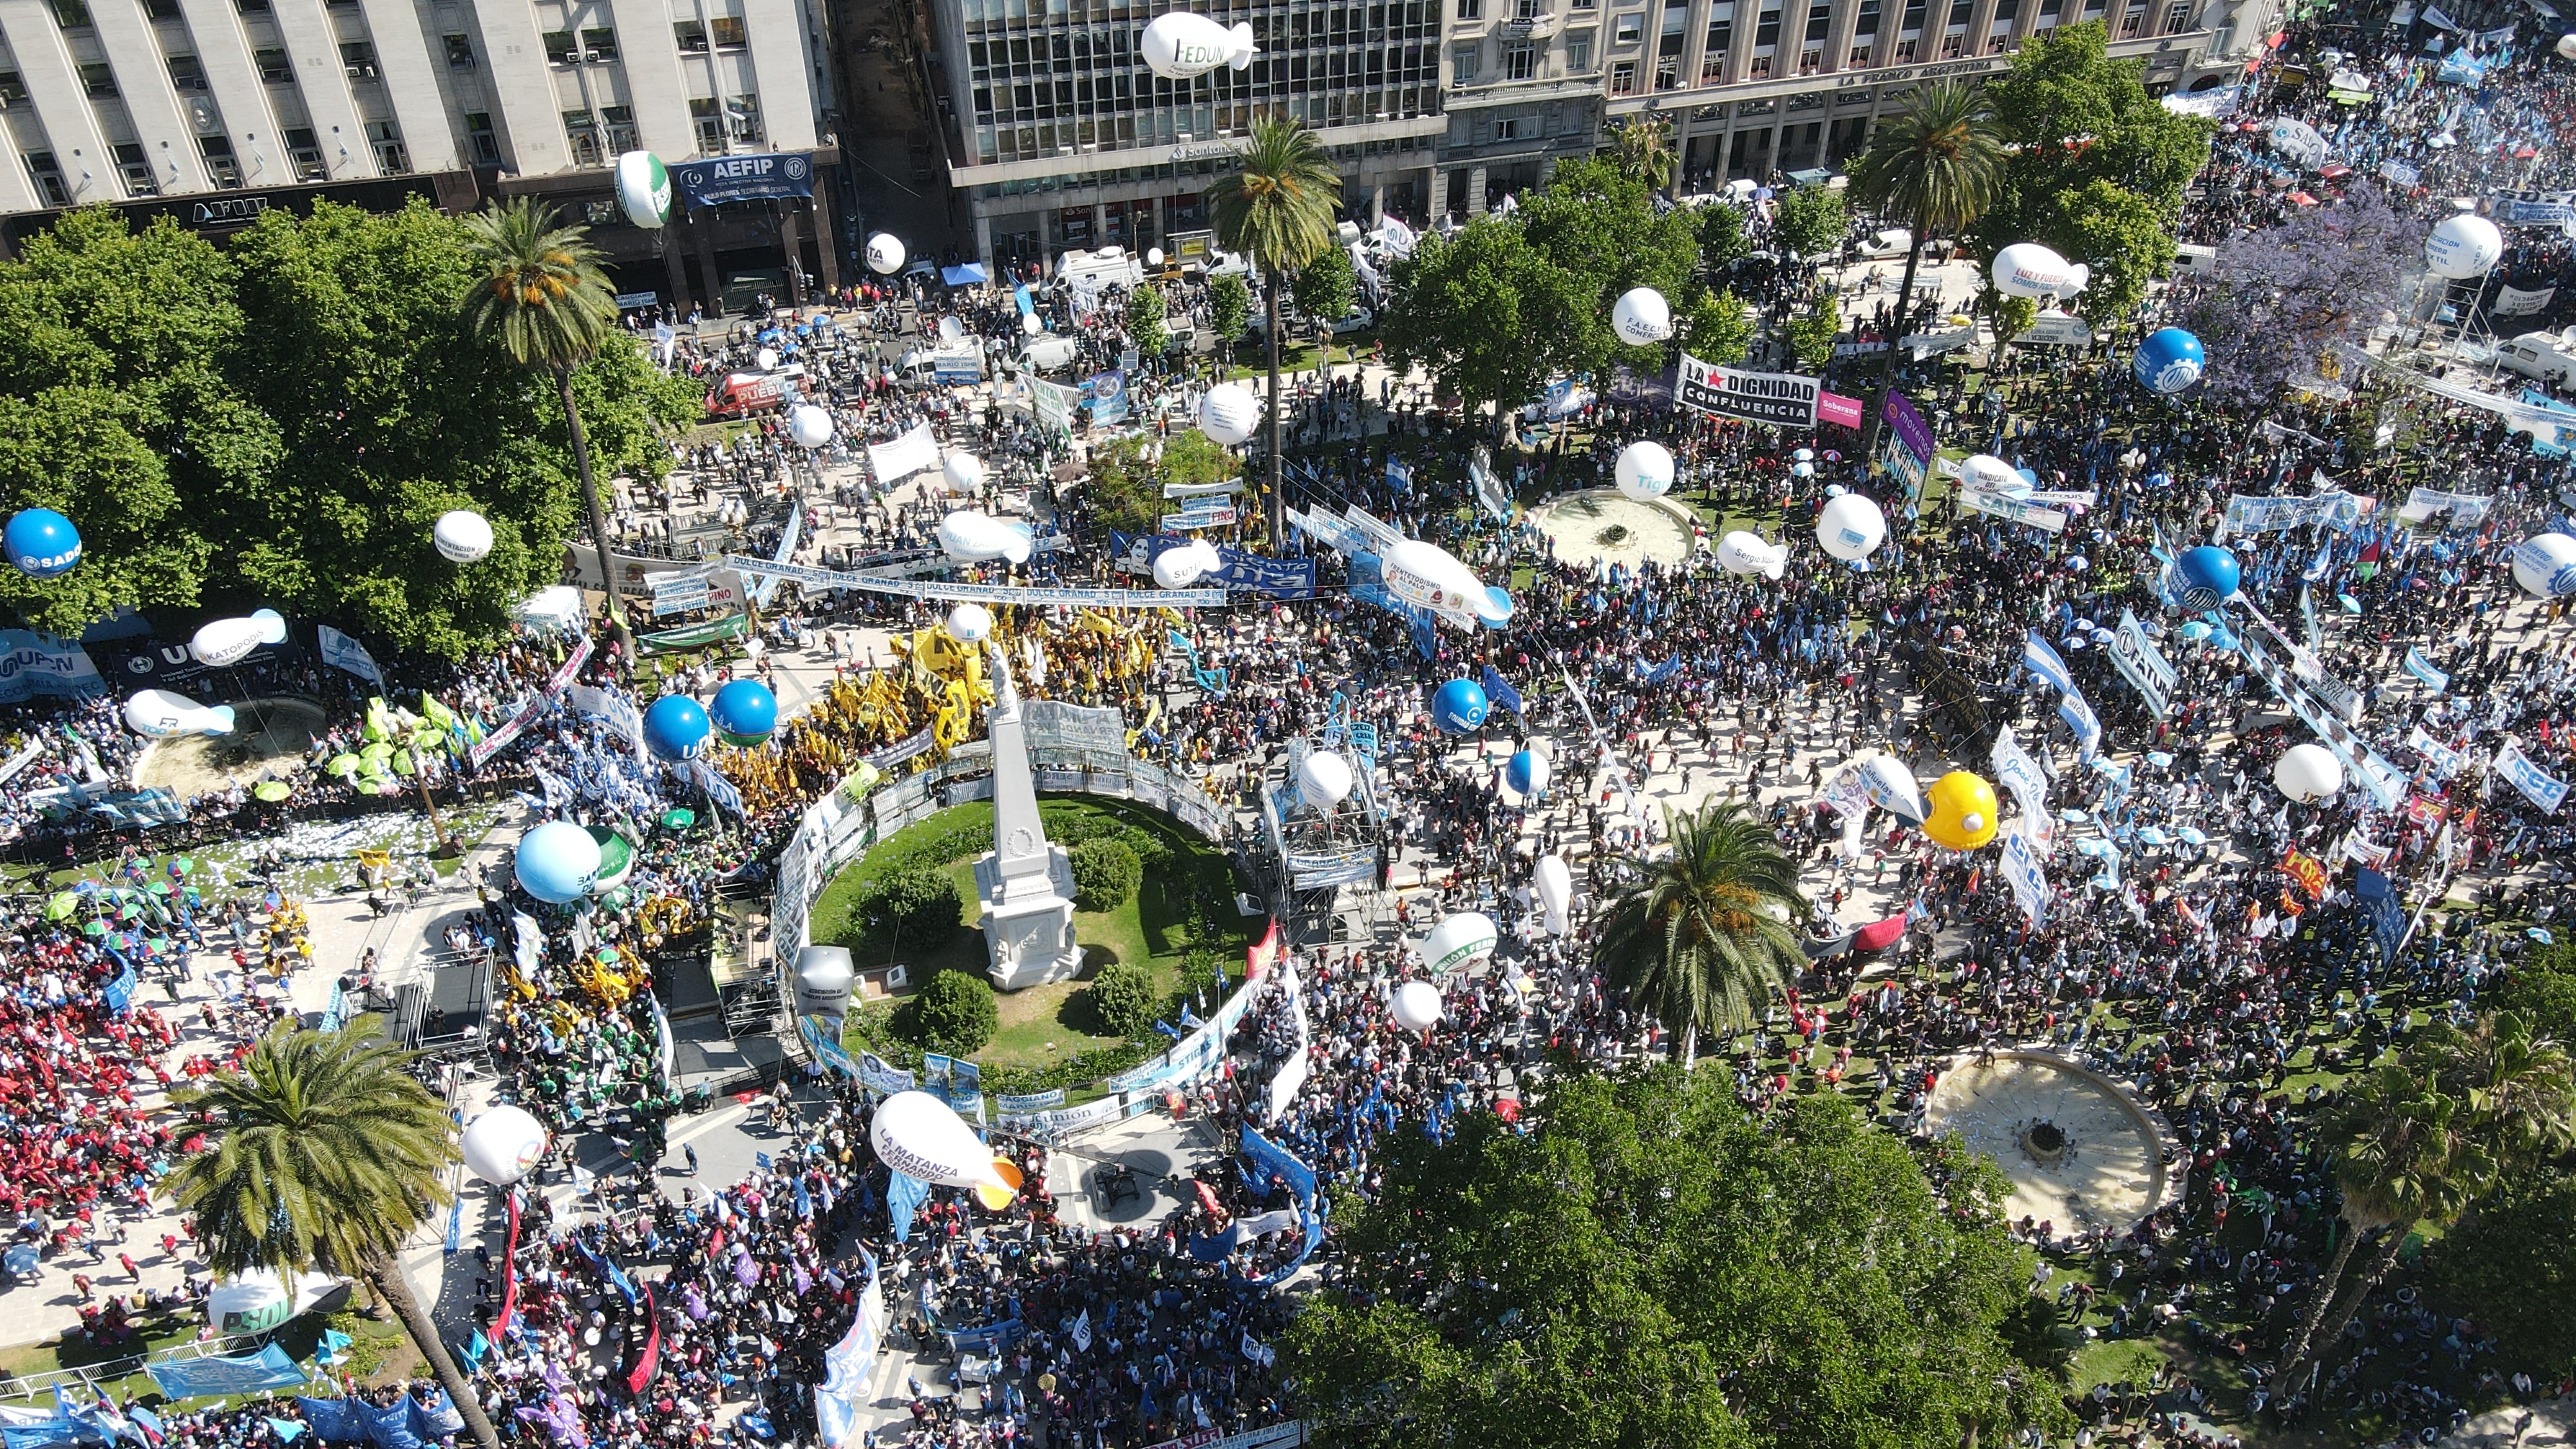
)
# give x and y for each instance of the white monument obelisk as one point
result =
(1026, 882)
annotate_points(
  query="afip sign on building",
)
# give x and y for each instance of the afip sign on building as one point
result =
(768, 177)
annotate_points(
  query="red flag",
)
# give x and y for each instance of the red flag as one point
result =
(509, 1272)
(648, 1360)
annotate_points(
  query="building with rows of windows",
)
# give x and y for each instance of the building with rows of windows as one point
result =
(213, 111)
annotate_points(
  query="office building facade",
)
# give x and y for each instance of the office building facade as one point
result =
(213, 111)
(1060, 138)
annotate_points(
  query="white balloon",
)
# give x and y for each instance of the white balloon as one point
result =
(1644, 470)
(1892, 788)
(1851, 527)
(502, 1144)
(229, 641)
(1459, 942)
(2567, 46)
(2545, 565)
(1554, 881)
(1740, 552)
(963, 470)
(644, 189)
(157, 714)
(1429, 575)
(258, 1301)
(1415, 1006)
(1324, 778)
(1988, 474)
(1641, 317)
(2463, 245)
(1229, 413)
(2027, 269)
(969, 623)
(1178, 568)
(461, 536)
(1030, 325)
(2308, 772)
(885, 254)
(919, 1135)
(1179, 45)
(1153, 256)
(971, 537)
(809, 425)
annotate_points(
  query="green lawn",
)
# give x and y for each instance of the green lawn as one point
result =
(379, 1353)
(1048, 1024)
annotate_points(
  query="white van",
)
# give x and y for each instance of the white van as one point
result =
(1109, 266)
(1046, 353)
(2546, 356)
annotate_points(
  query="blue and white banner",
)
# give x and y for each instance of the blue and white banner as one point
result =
(2361, 765)
(2079, 717)
(771, 177)
(1499, 691)
(2422, 668)
(787, 540)
(2028, 880)
(344, 653)
(2040, 659)
(32, 664)
(1108, 397)
(1399, 475)
(2016, 771)
(876, 1076)
(193, 1378)
(824, 1040)
(982, 593)
(2536, 784)
(2446, 761)
(840, 1399)
(2336, 509)
(2135, 656)
(1019, 1104)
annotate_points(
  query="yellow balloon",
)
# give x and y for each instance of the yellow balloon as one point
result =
(1963, 811)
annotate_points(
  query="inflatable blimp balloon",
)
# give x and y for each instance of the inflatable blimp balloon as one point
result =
(1891, 788)
(2027, 269)
(971, 537)
(1527, 772)
(963, 470)
(921, 1136)
(744, 712)
(1460, 706)
(644, 189)
(2169, 361)
(1228, 414)
(1178, 568)
(1987, 474)
(258, 1301)
(229, 641)
(1429, 575)
(675, 727)
(502, 1144)
(1415, 1006)
(1851, 527)
(158, 714)
(1746, 553)
(809, 425)
(2208, 576)
(2307, 772)
(1641, 317)
(1554, 882)
(2463, 245)
(1180, 45)
(969, 623)
(885, 254)
(1644, 471)
(42, 543)
(1459, 942)
(461, 536)
(2545, 565)
(1963, 811)
(1324, 779)
(557, 861)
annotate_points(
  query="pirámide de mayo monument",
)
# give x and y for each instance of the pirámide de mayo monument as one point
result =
(1025, 881)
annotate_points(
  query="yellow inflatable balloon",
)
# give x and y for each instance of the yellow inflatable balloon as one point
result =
(1963, 811)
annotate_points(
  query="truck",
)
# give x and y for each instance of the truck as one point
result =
(742, 394)
(2548, 357)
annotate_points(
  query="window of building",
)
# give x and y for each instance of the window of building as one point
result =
(217, 152)
(392, 157)
(1578, 53)
(71, 14)
(1630, 29)
(1462, 64)
(1584, 4)
(1810, 61)
(13, 89)
(1819, 21)
(1520, 62)
(251, 7)
(479, 135)
(2177, 18)
(744, 112)
(562, 47)
(1623, 77)
(136, 167)
(599, 44)
(1524, 9)
(1907, 49)
(1860, 54)
(162, 9)
(622, 135)
(48, 176)
(2132, 23)
(728, 32)
(1760, 69)
(460, 50)
(98, 80)
(1471, 9)
(358, 57)
(690, 36)
(304, 153)
(581, 130)
(187, 73)
(1668, 73)
(1509, 128)
(274, 67)
(708, 116)
(1951, 45)
(1766, 28)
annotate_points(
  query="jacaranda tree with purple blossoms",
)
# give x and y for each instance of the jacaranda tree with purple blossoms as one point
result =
(2279, 296)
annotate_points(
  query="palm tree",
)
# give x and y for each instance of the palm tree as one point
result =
(1276, 211)
(1938, 164)
(322, 1150)
(1645, 151)
(543, 299)
(2424, 1137)
(1702, 938)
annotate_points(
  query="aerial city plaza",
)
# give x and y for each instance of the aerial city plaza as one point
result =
(1412, 726)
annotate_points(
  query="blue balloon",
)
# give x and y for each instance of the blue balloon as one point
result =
(557, 862)
(1460, 706)
(745, 712)
(2208, 575)
(42, 543)
(675, 728)
(2169, 361)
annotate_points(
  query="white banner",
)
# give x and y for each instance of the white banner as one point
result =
(1292, 1072)
(2516, 302)
(2018, 510)
(2536, 784)
(2029, 882)
(911, 452)
(2016, 771)
(344, 653)
(1779, 398)
(981, 593)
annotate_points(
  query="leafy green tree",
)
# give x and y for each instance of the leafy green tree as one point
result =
(1145, 327)
(1937, 165)
(954, 1013)
(1229, 309)
(1486, 313)
(1326, 288)
(1717, 328)
(920, 904)
(1127, 478)
(2542, 987)
(1276, 210)
(1701, 936)
(1722, 242)
(1653, 1267)
(1811, 337)
(1642, 151)
(322, 1149)
(1106, 874)
(2511, 1265)
(542, 299)
(2097, 166)
(1812, 221)
(1122, 998)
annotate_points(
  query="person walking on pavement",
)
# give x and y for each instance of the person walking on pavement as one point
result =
(691, 1152)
